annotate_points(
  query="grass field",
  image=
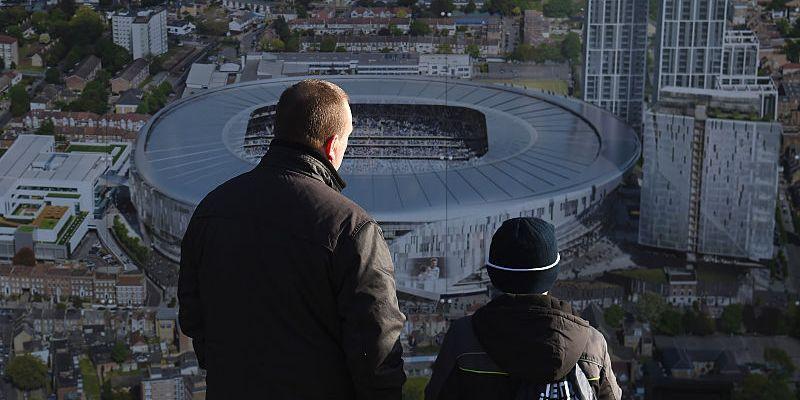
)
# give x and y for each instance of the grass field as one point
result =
(655, 275)
(553, 85)
(91, 383)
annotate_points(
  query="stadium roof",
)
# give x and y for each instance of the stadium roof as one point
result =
(540, 145)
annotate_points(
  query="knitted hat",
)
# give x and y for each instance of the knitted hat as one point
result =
(523, 257)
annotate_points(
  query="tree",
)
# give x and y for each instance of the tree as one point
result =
(93, 98)
(85, 27)
(571, 47)
(112, 56)
(559, 8)
(281, 27)
(444, 48)
(120, 352)
(77, 302)
(27, 372)
(670, 322)
(20, 101)
(470, 7)
(437, 7)
(52, 75)
(650, 307)
(67, 7)
(44, 38)
(46, 128)
(779, 358)
(473, 50)
(771, 321)
(293, 44)
(24, 256)
(764, 387)
(267, 44)
(419, 28)
(792, 50)
(731, 319)
(14, 31)
(697, 322)
(614, 315)
(328, 44)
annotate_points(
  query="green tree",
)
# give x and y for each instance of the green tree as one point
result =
(697, 322)
(444, 48)
(614, 315)
(93, 98)
(46, 128)
(779, 358)
(281, 27)
(112, 56)
(52, 75)
(650, 306)
(67, 7)
(559, 8)
(77, 302)
(470, 7)
(764, 387)
(20, 101)
(328, 44)
(293, 44)
(571, 48)
(731, 319)
(120, 352)
(792, 50)
(473, 50)
(14, 31)
(439, 6)
(419, 28)
(523, 52)
(27, 372)
(267, 44)
(85, 27)
(670, 322)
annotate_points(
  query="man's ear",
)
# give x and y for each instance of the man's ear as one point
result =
(328, 147)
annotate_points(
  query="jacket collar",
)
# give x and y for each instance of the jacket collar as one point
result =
(302, 159)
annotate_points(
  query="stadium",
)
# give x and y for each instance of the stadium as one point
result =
(439, 164)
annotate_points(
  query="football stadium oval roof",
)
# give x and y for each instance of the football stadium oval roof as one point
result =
(539, 146)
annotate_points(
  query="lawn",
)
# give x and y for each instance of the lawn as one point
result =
(91, 383)
(102, 148)
(654, 275)
(553, 85)
(48, 223)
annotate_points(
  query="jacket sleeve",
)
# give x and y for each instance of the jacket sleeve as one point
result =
(443, 367)
(608, 388)
(370, 315)
(190, 314)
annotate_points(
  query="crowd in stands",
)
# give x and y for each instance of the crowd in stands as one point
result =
(397, 138)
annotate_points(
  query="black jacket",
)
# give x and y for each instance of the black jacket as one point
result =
(287, 287)
(519, 339)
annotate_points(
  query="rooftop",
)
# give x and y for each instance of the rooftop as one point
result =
(133, 69)
(86, 67)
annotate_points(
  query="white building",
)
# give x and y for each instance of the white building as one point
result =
(273, 65)
(180, 27)
(130, 290)
(143, 33)
(43, 191)
(615, 54)
(9, 51)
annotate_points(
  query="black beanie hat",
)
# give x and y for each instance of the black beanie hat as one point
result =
(523, 257)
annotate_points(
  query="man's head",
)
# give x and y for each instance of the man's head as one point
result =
(315, 113)
(523, 257)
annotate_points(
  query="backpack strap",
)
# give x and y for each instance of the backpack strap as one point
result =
(478, 363)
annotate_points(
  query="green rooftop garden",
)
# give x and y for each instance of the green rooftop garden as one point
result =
(98, 148)
(48, 223)
(70, 227)
(27, 228)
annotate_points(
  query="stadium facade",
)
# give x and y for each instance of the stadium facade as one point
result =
(439, 164)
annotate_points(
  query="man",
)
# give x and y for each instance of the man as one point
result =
(286, 286)
(524, 343)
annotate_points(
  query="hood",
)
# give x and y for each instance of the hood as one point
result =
(532, 337)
